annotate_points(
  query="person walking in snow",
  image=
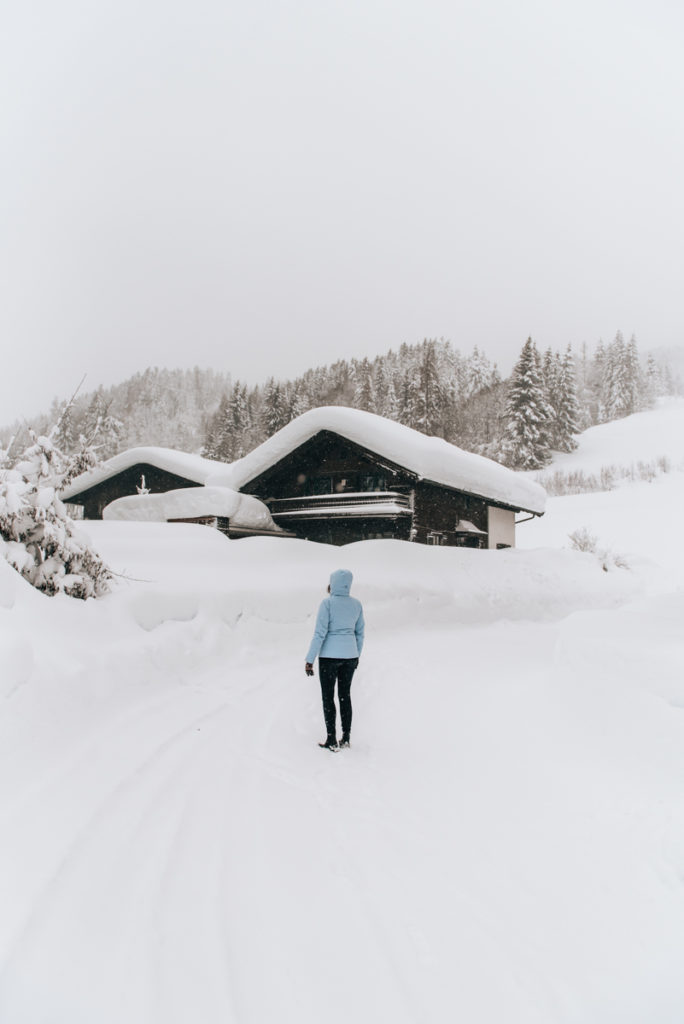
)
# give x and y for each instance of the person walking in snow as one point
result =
(337, 642)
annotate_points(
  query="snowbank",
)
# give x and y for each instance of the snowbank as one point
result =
(185, 566)
(242, 510)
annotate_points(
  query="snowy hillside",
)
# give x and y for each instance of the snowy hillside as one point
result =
(639, 520)
(503, 843)
(644, 436)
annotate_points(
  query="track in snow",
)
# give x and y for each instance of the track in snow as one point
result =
(193, 855)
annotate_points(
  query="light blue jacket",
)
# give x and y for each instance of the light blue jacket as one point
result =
(339, 623)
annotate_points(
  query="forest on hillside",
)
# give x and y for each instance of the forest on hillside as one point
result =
(430, 386)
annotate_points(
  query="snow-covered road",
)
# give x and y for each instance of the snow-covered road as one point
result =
(504, 840)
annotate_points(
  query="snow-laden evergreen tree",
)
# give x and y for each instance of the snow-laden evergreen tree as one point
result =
(551, 372)
(381, 386)
(620, 385)
(274, 410)
(173, 408)
(478, 373)
(100, 422)
(566, 421)
(596, 373)
(208, 449)
(526, 438)
(222, 431)
(586, 395)
(409, 400)
(38, 537)
(364, 392)
(652, 381)
(297, 401)
(241, 423)
(634, 383)
(429, 393)
(65, 436)
(392, 397)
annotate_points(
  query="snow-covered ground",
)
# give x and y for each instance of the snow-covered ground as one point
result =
(641, 521)
(643, 437)
(503, 843)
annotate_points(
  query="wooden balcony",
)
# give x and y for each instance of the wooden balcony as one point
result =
(324, 506)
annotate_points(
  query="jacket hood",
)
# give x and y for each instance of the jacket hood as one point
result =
(340, 583)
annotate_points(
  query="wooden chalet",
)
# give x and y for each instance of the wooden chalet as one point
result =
(334, 475)
(338, 475)
(162, 485)
(136, 471)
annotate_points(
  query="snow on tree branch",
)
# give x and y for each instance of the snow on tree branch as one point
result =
(40, 540)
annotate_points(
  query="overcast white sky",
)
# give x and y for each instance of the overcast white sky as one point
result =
(262, 186)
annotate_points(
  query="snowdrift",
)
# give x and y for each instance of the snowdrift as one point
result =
(504, 842)
(179, 570)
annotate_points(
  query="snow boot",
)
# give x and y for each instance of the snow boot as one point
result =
(330, 743)
(344, 742)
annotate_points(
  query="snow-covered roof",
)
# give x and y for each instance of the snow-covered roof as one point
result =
(243, 510)
(465, 526)
(183, 464)
(430, 458)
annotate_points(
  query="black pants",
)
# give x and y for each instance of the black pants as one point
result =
(340, 671)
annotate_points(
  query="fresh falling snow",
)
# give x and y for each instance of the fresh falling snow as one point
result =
(503, 843)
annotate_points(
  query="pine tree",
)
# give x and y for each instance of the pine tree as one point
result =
(65, 433)
(222, 431)
(99, 424)
(239, 415)
(298, 403)
(41, 542)
(620, 384)
(364, 393)
(634, 384)
(526, 439)
(651, 381)
(551, 373)
(409, 401)
(429, 395)
(478, 373)
(274, 412)
(381, 385)
(391, 398)
(567, 409)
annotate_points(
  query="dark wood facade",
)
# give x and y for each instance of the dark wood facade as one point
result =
(157, 481)
(438, 511)
(334, 491)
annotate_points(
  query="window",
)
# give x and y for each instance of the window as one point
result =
(319, 485)
(435, 537)
(373, 482)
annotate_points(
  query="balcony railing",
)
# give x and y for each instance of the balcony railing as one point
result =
(346, 503)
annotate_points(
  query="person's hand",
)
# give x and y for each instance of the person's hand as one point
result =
(308, 668)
